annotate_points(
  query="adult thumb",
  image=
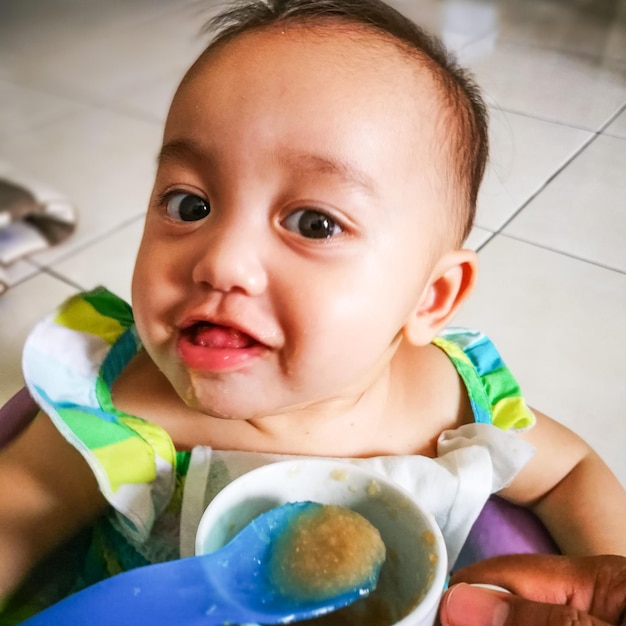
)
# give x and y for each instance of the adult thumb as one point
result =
(466, 605)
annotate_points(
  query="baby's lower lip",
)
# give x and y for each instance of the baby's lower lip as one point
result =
(215, 348)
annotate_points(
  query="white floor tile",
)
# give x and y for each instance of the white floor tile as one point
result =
(103, 162)
(577, 90)
(108, 262)
(99, 61)
(457, 22)
(525, 153)
(582, 211)
(617, 128)
(17, 272)
(31, 28)
(155, 73)
(558, 323)
(153, 98)
(20, 308)
(22, 108)
(472, 18)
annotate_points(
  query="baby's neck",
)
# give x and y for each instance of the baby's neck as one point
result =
(349, 426)
(402, 412)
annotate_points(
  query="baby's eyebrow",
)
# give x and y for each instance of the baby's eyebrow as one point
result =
(303, 162)
(321, 164)
(179, 149)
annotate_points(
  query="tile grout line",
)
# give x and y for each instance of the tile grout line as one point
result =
(584, 146)
(47, 271)
(549, 120)
(74, 96)
(87, 244)
(557, 251)
(84, 98)
(64, 279)
(560, 169)
(576, 54)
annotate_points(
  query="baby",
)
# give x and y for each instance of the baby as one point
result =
(301, 261)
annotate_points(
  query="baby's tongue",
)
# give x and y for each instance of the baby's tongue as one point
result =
(220, 337)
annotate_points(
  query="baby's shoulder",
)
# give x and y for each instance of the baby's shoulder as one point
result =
(431, 388)
(461, 373)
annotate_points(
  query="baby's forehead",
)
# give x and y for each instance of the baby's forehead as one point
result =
(369, 64)
(333, 66)
(336, 43)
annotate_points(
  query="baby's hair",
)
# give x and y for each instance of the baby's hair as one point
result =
(464, 115)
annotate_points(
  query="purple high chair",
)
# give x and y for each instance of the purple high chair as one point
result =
(15, 415)
(501, 527)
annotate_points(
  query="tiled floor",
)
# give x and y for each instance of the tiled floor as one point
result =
(84, 86)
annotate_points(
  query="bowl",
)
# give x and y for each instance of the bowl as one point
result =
(414, 574)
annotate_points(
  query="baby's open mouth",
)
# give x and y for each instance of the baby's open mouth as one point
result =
(206, 335)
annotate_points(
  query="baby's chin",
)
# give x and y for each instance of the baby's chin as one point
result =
(205, 406)
(251, 399)
(221, 404)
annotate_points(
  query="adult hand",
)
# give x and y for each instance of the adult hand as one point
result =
(546, 590)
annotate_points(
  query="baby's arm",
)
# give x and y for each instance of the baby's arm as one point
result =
(572, 490)
(47, 493)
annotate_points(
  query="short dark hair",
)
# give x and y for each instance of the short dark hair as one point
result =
(465, 113)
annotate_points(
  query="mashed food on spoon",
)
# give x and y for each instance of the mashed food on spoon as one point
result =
(327, 551)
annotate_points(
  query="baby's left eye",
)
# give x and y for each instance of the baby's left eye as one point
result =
(312, 224)
(186, 207)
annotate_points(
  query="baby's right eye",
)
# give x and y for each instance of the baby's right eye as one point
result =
(186, 207)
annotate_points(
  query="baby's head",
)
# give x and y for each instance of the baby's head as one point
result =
(319, 172)
(457, 111)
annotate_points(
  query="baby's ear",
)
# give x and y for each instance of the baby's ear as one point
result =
(451, 282)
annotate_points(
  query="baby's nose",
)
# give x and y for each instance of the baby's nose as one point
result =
(229, 259)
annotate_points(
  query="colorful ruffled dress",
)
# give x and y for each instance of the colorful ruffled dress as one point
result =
(157, 493)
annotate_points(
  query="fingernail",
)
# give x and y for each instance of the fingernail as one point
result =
(465, 604)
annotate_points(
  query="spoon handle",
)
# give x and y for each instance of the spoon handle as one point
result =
(176, 592)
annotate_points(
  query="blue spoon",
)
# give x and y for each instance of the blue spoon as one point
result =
(233, 585)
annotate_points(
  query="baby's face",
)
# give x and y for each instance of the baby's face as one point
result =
(294, 221)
